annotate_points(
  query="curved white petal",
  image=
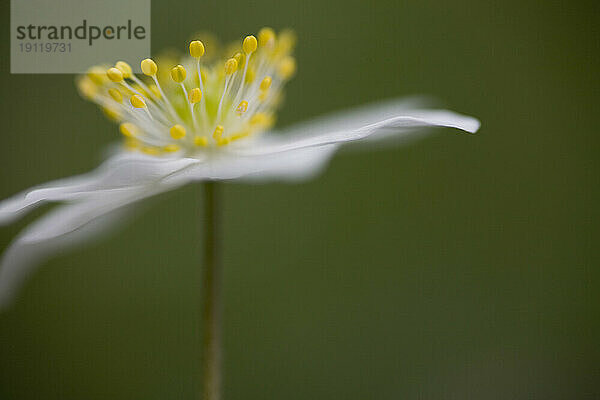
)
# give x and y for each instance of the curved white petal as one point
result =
(120, 171)
(24, 254)
(355, 117)
(293, 165)
(72, 216)
(80, 219)
(372, 121)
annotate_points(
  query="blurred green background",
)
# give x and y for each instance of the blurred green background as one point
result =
(458, 267)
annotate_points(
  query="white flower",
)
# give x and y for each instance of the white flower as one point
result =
(203, 123)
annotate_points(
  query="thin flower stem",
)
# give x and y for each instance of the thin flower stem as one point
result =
(213, 304)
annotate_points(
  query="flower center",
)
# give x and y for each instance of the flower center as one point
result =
(203, 102)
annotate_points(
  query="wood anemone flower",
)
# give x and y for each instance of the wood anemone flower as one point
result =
(206, 118)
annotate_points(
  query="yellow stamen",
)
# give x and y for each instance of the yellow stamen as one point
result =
(124, 68)
(116, 95)
(201, 141)
(218, 132)
(131, 143)
(151, 151)
(286, 42)
(171, 148)
(87, 88)
(195, 95)
(97, 75)
(112, 114)
(240, 58)
(115, 74)
(242, 107)
(137, 101)
(178, 73)
(287, 67)
(128, 129)
(231, 66)
(196, 49)
(266, 37)
(149, 67)
(177, 132)
(266, 83)
(261, 119)
(239, 136)
(223, 142)
(250, 44)
(258, 119)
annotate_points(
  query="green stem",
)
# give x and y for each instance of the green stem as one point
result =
(213, 304)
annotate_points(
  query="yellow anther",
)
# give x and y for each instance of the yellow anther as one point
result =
(112, 114)
(128, 129)
(223, 142)
(240, 58)
(124, 68)
(258, 119)
(250, 44)
(218, 132)
(151, 151)
(195, 95)
(97, 75)
(149, 67)
(286, 42)
(114, 74)
(266, 37)
(242, 107)
(287, 68)
(131, 143)
(116, 95)
(155, 91)
(201, 141)
(196, 49)
(137, 101)
(171, 148)
(266, 83)
(231, 66)
(261, 120)
(178, 73)
(239, 135)
(87, 88)
(177, 131)
(250, 75)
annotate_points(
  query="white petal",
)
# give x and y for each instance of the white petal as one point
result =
(292, 165)
(355, 117)
(23, 256)
(121, 171)
(361, 123)
(79, 220)
(70, 217)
